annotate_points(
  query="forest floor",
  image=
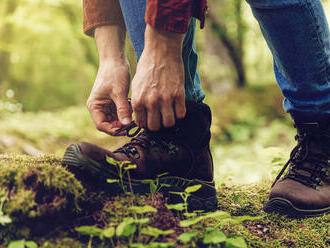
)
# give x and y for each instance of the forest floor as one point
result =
(44, 205)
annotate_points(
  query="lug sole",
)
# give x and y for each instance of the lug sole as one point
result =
(285, 207)
(204, 199)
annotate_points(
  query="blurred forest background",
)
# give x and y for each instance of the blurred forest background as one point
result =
(48, 66)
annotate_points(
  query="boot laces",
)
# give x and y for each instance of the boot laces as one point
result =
(143, 139)
(318, 165)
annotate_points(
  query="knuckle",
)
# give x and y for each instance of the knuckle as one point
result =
(180, 96)
(152, 101)
(165, 99)
(137, 106)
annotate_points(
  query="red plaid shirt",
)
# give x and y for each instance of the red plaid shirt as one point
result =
(169, 15)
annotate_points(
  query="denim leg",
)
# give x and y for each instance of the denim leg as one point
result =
(133, 12)
(297, 34)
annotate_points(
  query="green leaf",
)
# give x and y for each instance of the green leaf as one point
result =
(90, 230)
(215, 237)
(163, 174)
(166, 185)
(143, 209)
(17, 244)
(187, 236)
(178, 206)
(153, 188)
(112, 180)
(236, 243)
(125, 228)
(160, 245)
(130, 167)
(190, 222)
(4, 219)
(176, 193)
(217, 214)
(109, 232)
(31, 244)
(112, 161)
(155, 232)
(142, 221)
(190, 215)
(192, 189)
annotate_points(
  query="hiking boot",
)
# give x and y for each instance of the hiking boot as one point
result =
(305, 189)
(168, 160)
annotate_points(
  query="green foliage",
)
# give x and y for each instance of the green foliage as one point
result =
(187, 236)
(22, 244)
(214, 237)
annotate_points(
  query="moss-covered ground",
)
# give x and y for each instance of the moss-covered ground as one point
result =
(45, 203)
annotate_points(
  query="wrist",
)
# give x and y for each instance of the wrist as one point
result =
(161, 41)
(114, 62)
(110, 41)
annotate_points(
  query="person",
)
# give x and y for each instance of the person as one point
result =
(167, 99)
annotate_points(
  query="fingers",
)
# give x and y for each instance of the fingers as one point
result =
(159, 113)
(140, 115)
(153, 120)
(168, 118)
(180, 106)
(104, 124)
(124, 111)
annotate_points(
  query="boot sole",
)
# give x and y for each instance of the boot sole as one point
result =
(204, 199)
(285, 207)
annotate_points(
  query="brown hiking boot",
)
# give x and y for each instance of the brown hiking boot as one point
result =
(169, 160)
(305, 189)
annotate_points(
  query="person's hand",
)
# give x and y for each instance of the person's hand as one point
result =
(107, 103)
(158, 95)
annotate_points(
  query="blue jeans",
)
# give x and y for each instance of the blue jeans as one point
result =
(297, 34)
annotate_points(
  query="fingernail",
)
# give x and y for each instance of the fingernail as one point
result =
(125, 121)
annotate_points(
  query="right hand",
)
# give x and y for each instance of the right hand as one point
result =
(107, 103)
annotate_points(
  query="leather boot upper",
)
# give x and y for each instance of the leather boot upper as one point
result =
(307, 183)
(182, 150)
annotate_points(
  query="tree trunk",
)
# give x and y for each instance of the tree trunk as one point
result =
(234, 48)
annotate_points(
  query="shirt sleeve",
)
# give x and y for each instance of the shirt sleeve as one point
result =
(99, 13)
(174, 15)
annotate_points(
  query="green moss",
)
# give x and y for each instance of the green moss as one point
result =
(34, 188)
(28, 181)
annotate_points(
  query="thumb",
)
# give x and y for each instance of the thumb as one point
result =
(124, 111)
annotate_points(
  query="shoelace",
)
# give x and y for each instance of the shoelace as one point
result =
(300, 154)
(143, 140)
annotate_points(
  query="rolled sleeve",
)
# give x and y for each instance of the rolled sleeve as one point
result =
(99, 13)
(174, 15)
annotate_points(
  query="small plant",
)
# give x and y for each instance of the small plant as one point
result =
(186, 194)
(122, 168)
(155, 186)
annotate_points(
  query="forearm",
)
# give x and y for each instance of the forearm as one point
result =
(163, 42)
(110, 42)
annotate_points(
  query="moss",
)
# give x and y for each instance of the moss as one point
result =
(39, 192)
(34, 189)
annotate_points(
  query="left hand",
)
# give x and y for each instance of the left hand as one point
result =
(158, 94)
